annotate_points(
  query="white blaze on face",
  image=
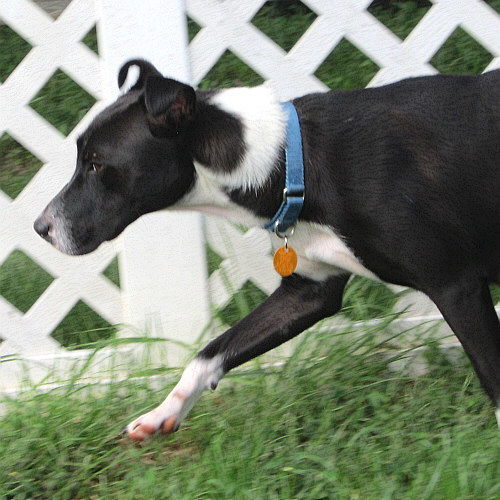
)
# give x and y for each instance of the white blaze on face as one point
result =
(59, 231)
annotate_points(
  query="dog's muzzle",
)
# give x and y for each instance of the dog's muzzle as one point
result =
(43, 226)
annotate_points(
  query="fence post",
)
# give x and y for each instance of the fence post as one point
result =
(162, 260)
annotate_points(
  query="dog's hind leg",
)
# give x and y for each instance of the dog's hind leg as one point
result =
(297, 304)
(468, 308)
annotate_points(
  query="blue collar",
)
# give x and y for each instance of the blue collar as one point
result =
(293, 194)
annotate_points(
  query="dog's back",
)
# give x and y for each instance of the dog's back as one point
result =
(416, 158)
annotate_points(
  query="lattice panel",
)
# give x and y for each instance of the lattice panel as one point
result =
(56, 45)
(226, 25)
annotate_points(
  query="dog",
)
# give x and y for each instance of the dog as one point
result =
(402, 185)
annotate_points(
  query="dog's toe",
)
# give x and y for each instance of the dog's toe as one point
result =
(148, 424)
(141, 432)
(169, 425)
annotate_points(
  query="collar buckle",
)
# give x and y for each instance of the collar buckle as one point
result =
(288, 213)
(293, 192)
(283, 234)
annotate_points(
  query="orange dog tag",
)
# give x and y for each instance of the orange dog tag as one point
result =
(285, 260)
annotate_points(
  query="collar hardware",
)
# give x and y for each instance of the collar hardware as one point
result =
(293, 194)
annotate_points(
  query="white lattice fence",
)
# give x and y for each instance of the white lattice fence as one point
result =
(56, 44)
(225, 25)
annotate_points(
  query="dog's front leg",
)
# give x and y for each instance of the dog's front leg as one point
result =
(297, 304)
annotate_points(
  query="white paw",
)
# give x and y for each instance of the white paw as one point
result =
(150, 423)
(199, 375)
(165, 418)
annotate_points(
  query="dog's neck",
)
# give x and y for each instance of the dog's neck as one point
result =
(237, 140)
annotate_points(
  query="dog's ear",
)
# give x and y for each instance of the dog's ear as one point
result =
(146, 69)
(169, 104)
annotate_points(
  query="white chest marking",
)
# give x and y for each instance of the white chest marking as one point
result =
(207, 197)
(322, 253)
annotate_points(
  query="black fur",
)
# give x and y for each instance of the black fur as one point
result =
(217, 139)
(408, 174)
(301, 303)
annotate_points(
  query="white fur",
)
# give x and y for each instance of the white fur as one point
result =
(321, 251)
(59, 232)
(207, 197)
(264, 128)
(199, 375)
(497, 414)
(319, 245)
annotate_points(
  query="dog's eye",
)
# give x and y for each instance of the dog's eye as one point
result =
(96, 167)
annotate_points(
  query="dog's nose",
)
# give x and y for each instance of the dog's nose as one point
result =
(42, 226)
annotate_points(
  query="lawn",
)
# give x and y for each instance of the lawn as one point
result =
(342, 427)
(63, 103)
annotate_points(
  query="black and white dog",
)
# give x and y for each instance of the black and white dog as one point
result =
(402, 184)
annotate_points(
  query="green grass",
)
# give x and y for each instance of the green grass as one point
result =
(23, 292)
(63, 103)
(344, 427)
(17, 166)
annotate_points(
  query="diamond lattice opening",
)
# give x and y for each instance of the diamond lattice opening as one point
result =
(495, 293)
(193, 28)
(13, 49)
(90, 40)
(461, 54)
(62, 102)
(399, 17)
(112, 272)
(284, 23)
(53, 8)
(82, 328)
(214, 260)
(365, 299)
(245, 300)
(230, 71)
(22, 280)
(346, 67)
(17, 166)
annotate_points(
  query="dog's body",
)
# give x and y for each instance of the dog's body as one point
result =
(402, 184)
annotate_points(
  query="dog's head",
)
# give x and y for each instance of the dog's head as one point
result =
(131, 160)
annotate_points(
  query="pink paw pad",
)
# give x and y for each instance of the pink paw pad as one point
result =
(169, 425)
(142, 432)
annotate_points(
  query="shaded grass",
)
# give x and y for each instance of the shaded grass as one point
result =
(17, 166)
(62, 102)
(24, 292)
(342, 427)
(82, 326)
(284, 27)
(13, 49)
